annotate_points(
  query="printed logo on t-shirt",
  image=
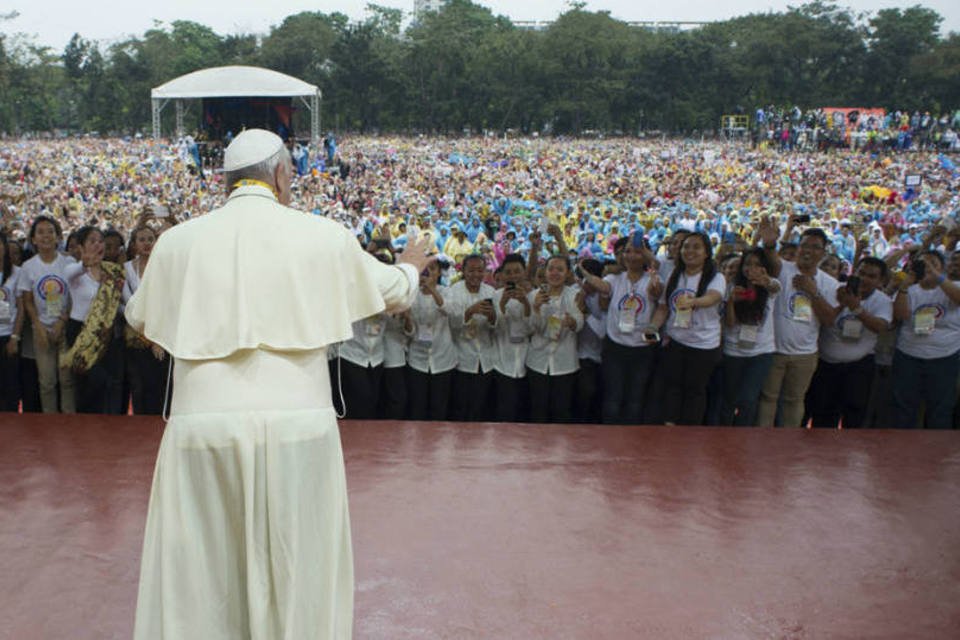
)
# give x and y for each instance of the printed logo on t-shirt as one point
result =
(676, 296)
(934, 310)
(51, 286)
(632, 302)
(792, 302)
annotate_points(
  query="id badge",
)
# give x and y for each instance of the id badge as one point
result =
(554, 325)
(682, 319)
(802, 309)
(54, 306)
(748, 335)
(4, 310)
(852, 329)
(425, 333)
(374, 328)
(924, 321)
(627, 321)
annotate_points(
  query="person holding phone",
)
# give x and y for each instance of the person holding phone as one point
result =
(925, 362)
(628, 354)
(748, 339)
(513, 331)
(840, 389)
(431, 356)
(473, 318)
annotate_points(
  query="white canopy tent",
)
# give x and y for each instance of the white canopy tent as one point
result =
(234, 82)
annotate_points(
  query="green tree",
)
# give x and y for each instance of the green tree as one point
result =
(897, 36)
(585, 68)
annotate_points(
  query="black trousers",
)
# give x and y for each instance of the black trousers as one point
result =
(472, 393)
(429, 394)
(393, 394)
(686, 372)
(586, 408)
(509, 398)
(148, 380)
(9, 377)
(29, 385)
(840, 391)
(551, 397)
(626, 372)
(98, 390)
(361, 389)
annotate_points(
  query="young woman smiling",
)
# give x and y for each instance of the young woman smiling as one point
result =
(689, 310)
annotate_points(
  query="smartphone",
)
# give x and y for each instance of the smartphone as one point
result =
(488, 300)
(510, 286)
(637, 240)
(802, 219)
(853, 285)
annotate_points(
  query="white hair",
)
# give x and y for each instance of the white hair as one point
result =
(262, 170)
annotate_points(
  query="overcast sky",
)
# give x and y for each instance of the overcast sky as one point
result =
(54, 21)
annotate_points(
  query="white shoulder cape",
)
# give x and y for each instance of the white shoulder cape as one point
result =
(256, 274)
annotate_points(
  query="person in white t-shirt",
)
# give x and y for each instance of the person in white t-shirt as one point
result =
(11, 324)
(97, 385)
(748, 344)
(840, 389)
(552, 361)
(807, 301)
(46, 299)
(628, 346)
(925, 363)
(688, 310)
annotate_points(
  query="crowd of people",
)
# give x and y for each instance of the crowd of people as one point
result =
(868, 130)
(616, 281)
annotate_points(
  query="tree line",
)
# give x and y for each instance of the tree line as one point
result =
(464, 67)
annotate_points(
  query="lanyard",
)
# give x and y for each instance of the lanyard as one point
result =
(250, 182)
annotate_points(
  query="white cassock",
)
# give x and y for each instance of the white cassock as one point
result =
(248, 532)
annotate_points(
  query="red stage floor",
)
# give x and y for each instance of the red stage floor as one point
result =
(518, 531)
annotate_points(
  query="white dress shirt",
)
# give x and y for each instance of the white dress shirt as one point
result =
(513, 332)
(553, 347)
(475, 340)
(431, 345)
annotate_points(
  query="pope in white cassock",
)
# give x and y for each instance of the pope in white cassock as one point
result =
(248, 533)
